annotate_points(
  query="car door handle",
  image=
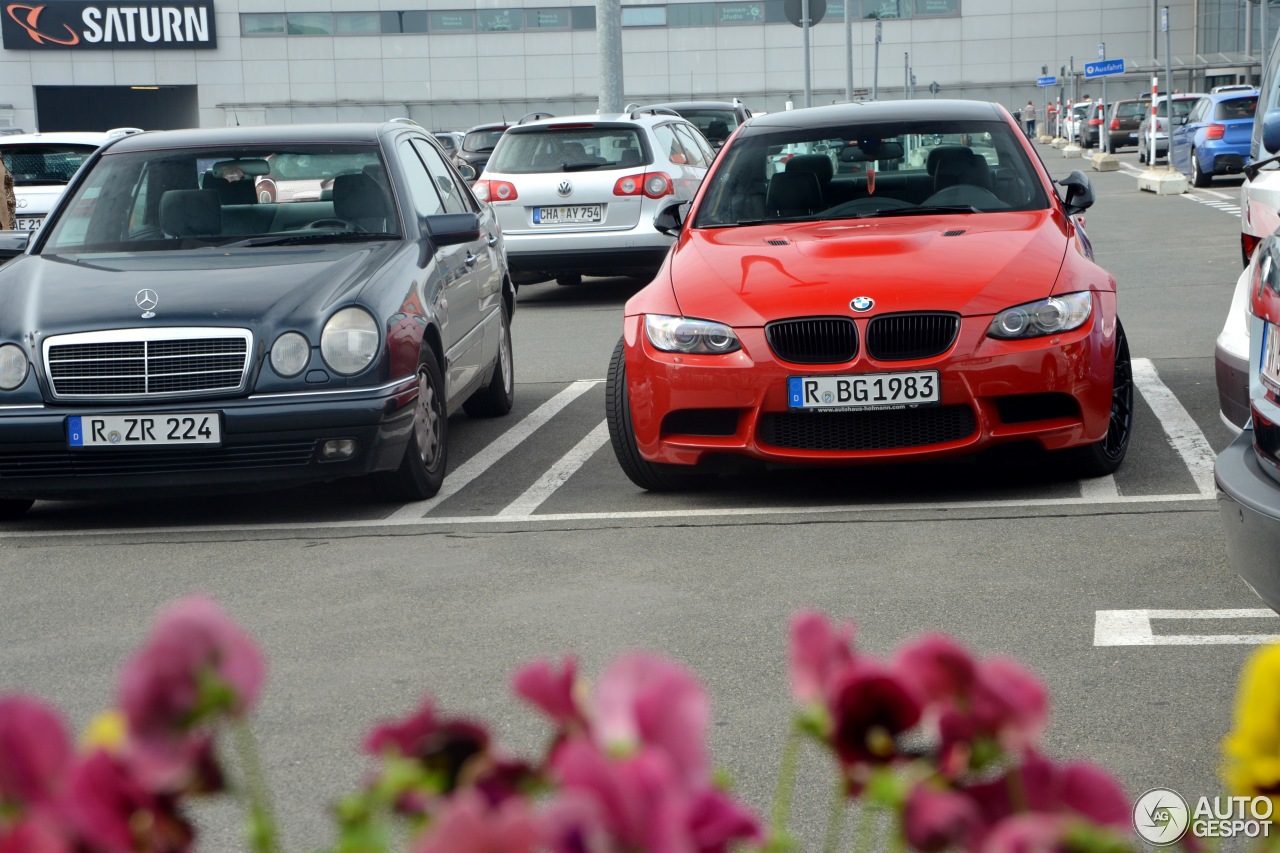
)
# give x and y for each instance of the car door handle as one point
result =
(491, 239)
(471, 259)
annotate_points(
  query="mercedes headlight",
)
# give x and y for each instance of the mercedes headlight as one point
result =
(349, 341)
(682, 334)
(1046, 317)
(13, 366)
(290, 354)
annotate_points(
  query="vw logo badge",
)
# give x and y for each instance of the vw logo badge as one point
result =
(862, 303)
(565, 189)
(147, 300)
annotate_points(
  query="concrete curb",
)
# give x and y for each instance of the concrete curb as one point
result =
(1162, 182)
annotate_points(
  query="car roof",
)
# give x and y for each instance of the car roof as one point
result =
(608, 118)
(1232, 94)
(96, 137)
(697, 105)
(491, 126)
(257, 135)
(877, 111)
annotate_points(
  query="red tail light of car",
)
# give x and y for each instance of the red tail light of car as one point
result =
(1215, 131)
(1115, 124)
(490, 190)
(649, 184)
(1095, 122)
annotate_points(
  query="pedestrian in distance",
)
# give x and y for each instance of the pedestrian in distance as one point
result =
(1029, 119)
(9, 206)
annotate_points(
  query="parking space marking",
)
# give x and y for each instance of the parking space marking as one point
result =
(1099, 488)
(1225, 206)
(556, 476)
(495, 450)
(1179, 427)
(1133, 628)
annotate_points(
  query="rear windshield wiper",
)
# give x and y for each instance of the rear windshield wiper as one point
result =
(313, 237)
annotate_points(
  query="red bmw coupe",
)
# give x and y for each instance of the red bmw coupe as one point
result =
(872, 282)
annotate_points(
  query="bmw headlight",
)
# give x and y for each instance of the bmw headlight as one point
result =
(13, 366)
(349, 341)
(290, 354)
(1046, 317)
(682, 334)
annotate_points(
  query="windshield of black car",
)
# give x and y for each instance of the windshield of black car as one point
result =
(854, 170)
(568, 148)
(139, 201)
(44, 163)
(480, 141)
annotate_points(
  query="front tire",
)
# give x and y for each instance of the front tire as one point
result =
(421, 472)
(497, 398)
(1104, 457)
(1198, 177)
(652, 476)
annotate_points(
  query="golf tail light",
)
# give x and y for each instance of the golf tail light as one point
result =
(1046, 317)
(491, 190)
(658, 184)
(687, 335)
(629, 185)
(1215, 131)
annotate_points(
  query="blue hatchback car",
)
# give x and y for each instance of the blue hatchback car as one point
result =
(1213, 139)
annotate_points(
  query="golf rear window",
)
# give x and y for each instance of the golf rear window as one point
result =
(575, 148)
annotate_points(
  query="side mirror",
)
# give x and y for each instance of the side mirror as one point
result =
(13, 243)
(669, 221)
(467, 171)
(1079, 192)
(1271, 131)
(449, 229)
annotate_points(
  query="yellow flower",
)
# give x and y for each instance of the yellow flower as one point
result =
(106, 731)
(1251, 750)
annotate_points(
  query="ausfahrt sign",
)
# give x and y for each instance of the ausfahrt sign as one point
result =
(108, 25)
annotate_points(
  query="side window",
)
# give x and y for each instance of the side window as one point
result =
(426, 200)
(668, 144)
(454, 196)
(692, 150)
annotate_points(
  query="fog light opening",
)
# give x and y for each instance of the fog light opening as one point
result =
(339, 449)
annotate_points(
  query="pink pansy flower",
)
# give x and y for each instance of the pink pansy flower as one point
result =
(1029, 833)
(467, 824)
(1010, 703)
(717, 823)
(442, 744)
(941, 669)
(643, 700)
(870, 706)
(935, 820)
(817, 653)
(116, 813)
(550, 691)
(35, 751)
(38, 832)
(196, 663)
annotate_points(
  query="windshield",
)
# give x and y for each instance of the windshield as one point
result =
(570, 149)
(480, 141)
(863, 170)
(163, 200)
(44, 163)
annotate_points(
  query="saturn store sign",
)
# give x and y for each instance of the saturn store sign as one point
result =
(108, 25)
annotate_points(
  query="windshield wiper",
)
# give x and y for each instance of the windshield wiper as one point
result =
(774, 220)
(313, 237)
(920, 211)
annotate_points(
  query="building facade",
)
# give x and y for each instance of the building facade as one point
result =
(450, 64)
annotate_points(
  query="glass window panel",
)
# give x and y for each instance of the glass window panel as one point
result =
(741, 13)
(426, 197)
(775, 12)
(262, 25)
(584, 17)
(499, 20)
(404, 22)
(310, 23)
(936, 8)
(644, 16)
(356, 23)
(691, 15)
(547, 19)
(458, 21)
(883, 9)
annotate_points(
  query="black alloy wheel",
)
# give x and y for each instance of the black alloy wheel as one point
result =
(652, 476)
(421, 472)
(1104, 457)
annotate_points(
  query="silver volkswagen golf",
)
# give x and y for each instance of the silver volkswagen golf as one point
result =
(577, 196)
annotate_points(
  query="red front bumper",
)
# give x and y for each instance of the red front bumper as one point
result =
(1053, 390)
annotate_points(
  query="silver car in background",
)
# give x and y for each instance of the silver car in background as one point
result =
(577, 196)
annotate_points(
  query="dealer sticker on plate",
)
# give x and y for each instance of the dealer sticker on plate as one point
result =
(863, 391)
(152, 430)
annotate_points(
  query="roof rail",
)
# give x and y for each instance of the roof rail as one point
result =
(122, 131)
(534, 117)
(657, 111)
(405, 120)
(629, 107)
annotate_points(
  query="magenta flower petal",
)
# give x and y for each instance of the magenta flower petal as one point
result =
(35, 751)
(1028, 833)
(194, 649)
(549, 690)
(940, 668)
(442, 744)
(936, 820)
(717, 823)
(1010, 704)
(1094, 793)
(818, 651)
(110, 807)
(643, 700)
(38, 832)
(466, 824)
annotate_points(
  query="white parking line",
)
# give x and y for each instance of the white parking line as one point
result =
(1218, 194)
(1181, 430)
(556, 476)
(498, 448)
(1133, 628)
(1099, 489)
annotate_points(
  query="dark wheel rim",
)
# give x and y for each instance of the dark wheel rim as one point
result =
(1121, 420)
(504, 360)
(426, 423)
(1196, 176)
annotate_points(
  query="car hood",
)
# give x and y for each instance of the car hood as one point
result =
(979, 264)
(252, 288)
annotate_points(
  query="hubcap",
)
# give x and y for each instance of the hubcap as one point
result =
(1121, 420)
(426, 423)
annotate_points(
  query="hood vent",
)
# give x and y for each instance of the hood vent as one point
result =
(954, 232)
(778, 241)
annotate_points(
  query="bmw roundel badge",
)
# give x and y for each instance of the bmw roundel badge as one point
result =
(862, 303)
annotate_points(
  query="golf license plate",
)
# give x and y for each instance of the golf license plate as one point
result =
(151, 430)
(863, 391)
(568, 215)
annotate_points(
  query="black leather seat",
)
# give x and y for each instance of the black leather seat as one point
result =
(360, 200)
(191, 213)
(961, 167)
(793, 194)
(231, 192)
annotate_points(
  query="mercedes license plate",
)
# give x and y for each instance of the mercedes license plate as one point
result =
(863, 391)
(203, 428)
(28, 223)
(566, 215)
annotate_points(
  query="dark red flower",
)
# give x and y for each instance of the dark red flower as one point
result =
(869, 708)
(442, 745)
(35, 751)
(116, 813)
(717, 823)
(940, 668)
(936, 819)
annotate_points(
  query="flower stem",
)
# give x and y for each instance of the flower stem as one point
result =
(261, 824)
(781, 814)
(835, 820)
(865, 833)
